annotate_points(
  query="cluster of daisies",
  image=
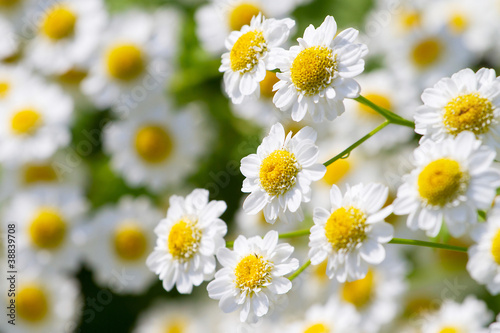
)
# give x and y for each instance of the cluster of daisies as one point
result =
(338, 209)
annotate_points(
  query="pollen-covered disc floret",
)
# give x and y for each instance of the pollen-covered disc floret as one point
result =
(317, 74)
(451, 180)
(252, 51)
(188, 239)
(350, 236)
(279, 176)
(467, 101)
(252, 278)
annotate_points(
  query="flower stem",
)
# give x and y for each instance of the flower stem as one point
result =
(347, 151)
(300, 270)
(390, 116)
(428, 244)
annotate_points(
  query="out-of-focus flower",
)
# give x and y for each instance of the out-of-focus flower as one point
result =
(467, 101)
(10, 41)
(350, 236)
(252, 277)
(252, 51)
(451, 180)
(118, 241)
(279, 176)
(188, 239)
(317, 74)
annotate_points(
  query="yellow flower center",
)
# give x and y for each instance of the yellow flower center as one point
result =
(319, 271)
(427, 52)
(26, 122)
(245, 54)
(359, 292)
(73, 76)
(317, 328)
(153, 143)
(130, 242)
(242, 15)
(48, 229)
(469, 112)
(441, 182)
(313, 69)
(8, 3)
(458, 23)
(336, 171)
(39, 173)
(253, 271)
(32, 304)
(184, 239)
(495, 247)
(378, 99)
(345, 228)
(4, 89)
(266, 85)
(175, 326)
(450, 329)
(125, 62)
(278, 172)
(411, 19)
(59, 23)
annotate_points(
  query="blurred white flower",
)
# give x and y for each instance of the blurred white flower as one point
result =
(317, 74)
(188, 239)
(252, 277)
(351, 234)
(451, 180)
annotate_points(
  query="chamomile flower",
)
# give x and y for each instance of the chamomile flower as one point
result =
(44, 303)
(279, 176)
(155, 146)
(451, 180)
(470, 316)
(188, 239)
(132, 59)
(252, 278)
(350, 236)
(34, 123)
(317, 74)
(484, 256)
(252, 51)
(467, 101)
(119, 239)
(67, 33)
(49, 234)
(14, 78)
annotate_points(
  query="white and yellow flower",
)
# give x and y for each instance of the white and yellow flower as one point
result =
(467, 101)
(156, 146)
(451, 180)
(279, 176)
(188, 239)
(351, 234)
(118, 241)
(317, 74)
(252, 278)
(49, 222)
(67, 34)
(252, 51)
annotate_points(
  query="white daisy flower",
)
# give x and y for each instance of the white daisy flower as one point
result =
(252, 51)
(49, 227)
(484, 256)
(317, 74)
(351, 235)
(252, 278)
(467, 101)
(334, 316)
(470, 316)
(156, 146)
(34, 123)
(15, 79)
(216, 20)
(119, 239)
(279, 176)
(67, 33)
(132, 59)
(188, 239)
(44, 303)
(451, 180)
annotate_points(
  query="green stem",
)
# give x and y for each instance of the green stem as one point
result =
(390, 116)
(428, 244)
(300, 270)
(346, 152)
